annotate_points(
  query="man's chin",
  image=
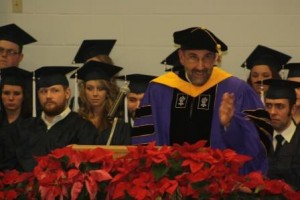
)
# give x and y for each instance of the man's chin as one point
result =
(52, 112)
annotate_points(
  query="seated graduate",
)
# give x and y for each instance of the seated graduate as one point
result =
(15, 105)
(92, 50)
(12, 40)
(98, 90)
(201, 102)
(284, 156)
(138, 84)
(56, 127)
(264, 63)
(15, 101)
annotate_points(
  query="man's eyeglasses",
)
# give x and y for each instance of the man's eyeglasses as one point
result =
(206, 59)
(9, 52)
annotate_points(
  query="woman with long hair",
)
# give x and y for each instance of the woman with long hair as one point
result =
(98, 91)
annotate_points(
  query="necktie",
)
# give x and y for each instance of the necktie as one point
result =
(279, 139)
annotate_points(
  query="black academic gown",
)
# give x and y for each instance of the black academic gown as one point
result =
(285, 164)
(36, 140)
(122, 134)
(7, 143)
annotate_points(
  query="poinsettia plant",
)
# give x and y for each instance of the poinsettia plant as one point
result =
(16, 185)
(190, 172)
(145, 172)
(70, 174)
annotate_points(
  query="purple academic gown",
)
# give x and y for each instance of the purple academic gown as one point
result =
(241, 135)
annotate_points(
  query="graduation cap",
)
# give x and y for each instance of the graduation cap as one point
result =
(15, 34)
(138, 83)
(261, 118)
(53, 75)
(91, 48)
(172, 60)
(15, 76)
(199, 38)
(262, 55)
(281, 89)
(294, 69)
(94, 70)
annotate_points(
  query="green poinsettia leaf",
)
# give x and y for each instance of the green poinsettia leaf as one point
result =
(64, 162)
(204, 196)
(175, 168)
(241, 195)
(200, 184)
(159, 170)
(127, 196)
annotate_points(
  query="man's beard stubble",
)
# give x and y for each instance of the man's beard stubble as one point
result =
(53, 111)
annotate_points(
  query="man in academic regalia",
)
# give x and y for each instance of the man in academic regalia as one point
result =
(284, 156)
(12, 40)
(201, 102)
(56, 127)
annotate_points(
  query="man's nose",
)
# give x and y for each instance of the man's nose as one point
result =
(11, 97)
(272, 110)
(48, 94)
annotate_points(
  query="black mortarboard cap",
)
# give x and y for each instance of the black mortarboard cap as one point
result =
(15, 34)
(91, 48)
(281, 89)
(94, 70)
(138, 83)
(53, 75)
(199, 38)
(262, 55)
(294, 69)
(172, 60)
(14, 76)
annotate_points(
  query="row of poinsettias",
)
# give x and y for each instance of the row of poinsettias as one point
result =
(145, 172)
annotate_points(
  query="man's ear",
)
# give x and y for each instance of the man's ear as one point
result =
(68, 93)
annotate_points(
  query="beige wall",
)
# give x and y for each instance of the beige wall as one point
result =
(144, 28)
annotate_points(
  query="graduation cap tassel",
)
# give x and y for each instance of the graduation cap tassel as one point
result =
(33, 96)
(76, 106)
(125, 110)
(262, 94)
(165, 64)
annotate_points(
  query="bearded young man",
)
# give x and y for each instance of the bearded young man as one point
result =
(56, 127)
(201, 102)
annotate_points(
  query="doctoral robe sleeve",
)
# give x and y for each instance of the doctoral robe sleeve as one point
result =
(153, 123)
(242, 134)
